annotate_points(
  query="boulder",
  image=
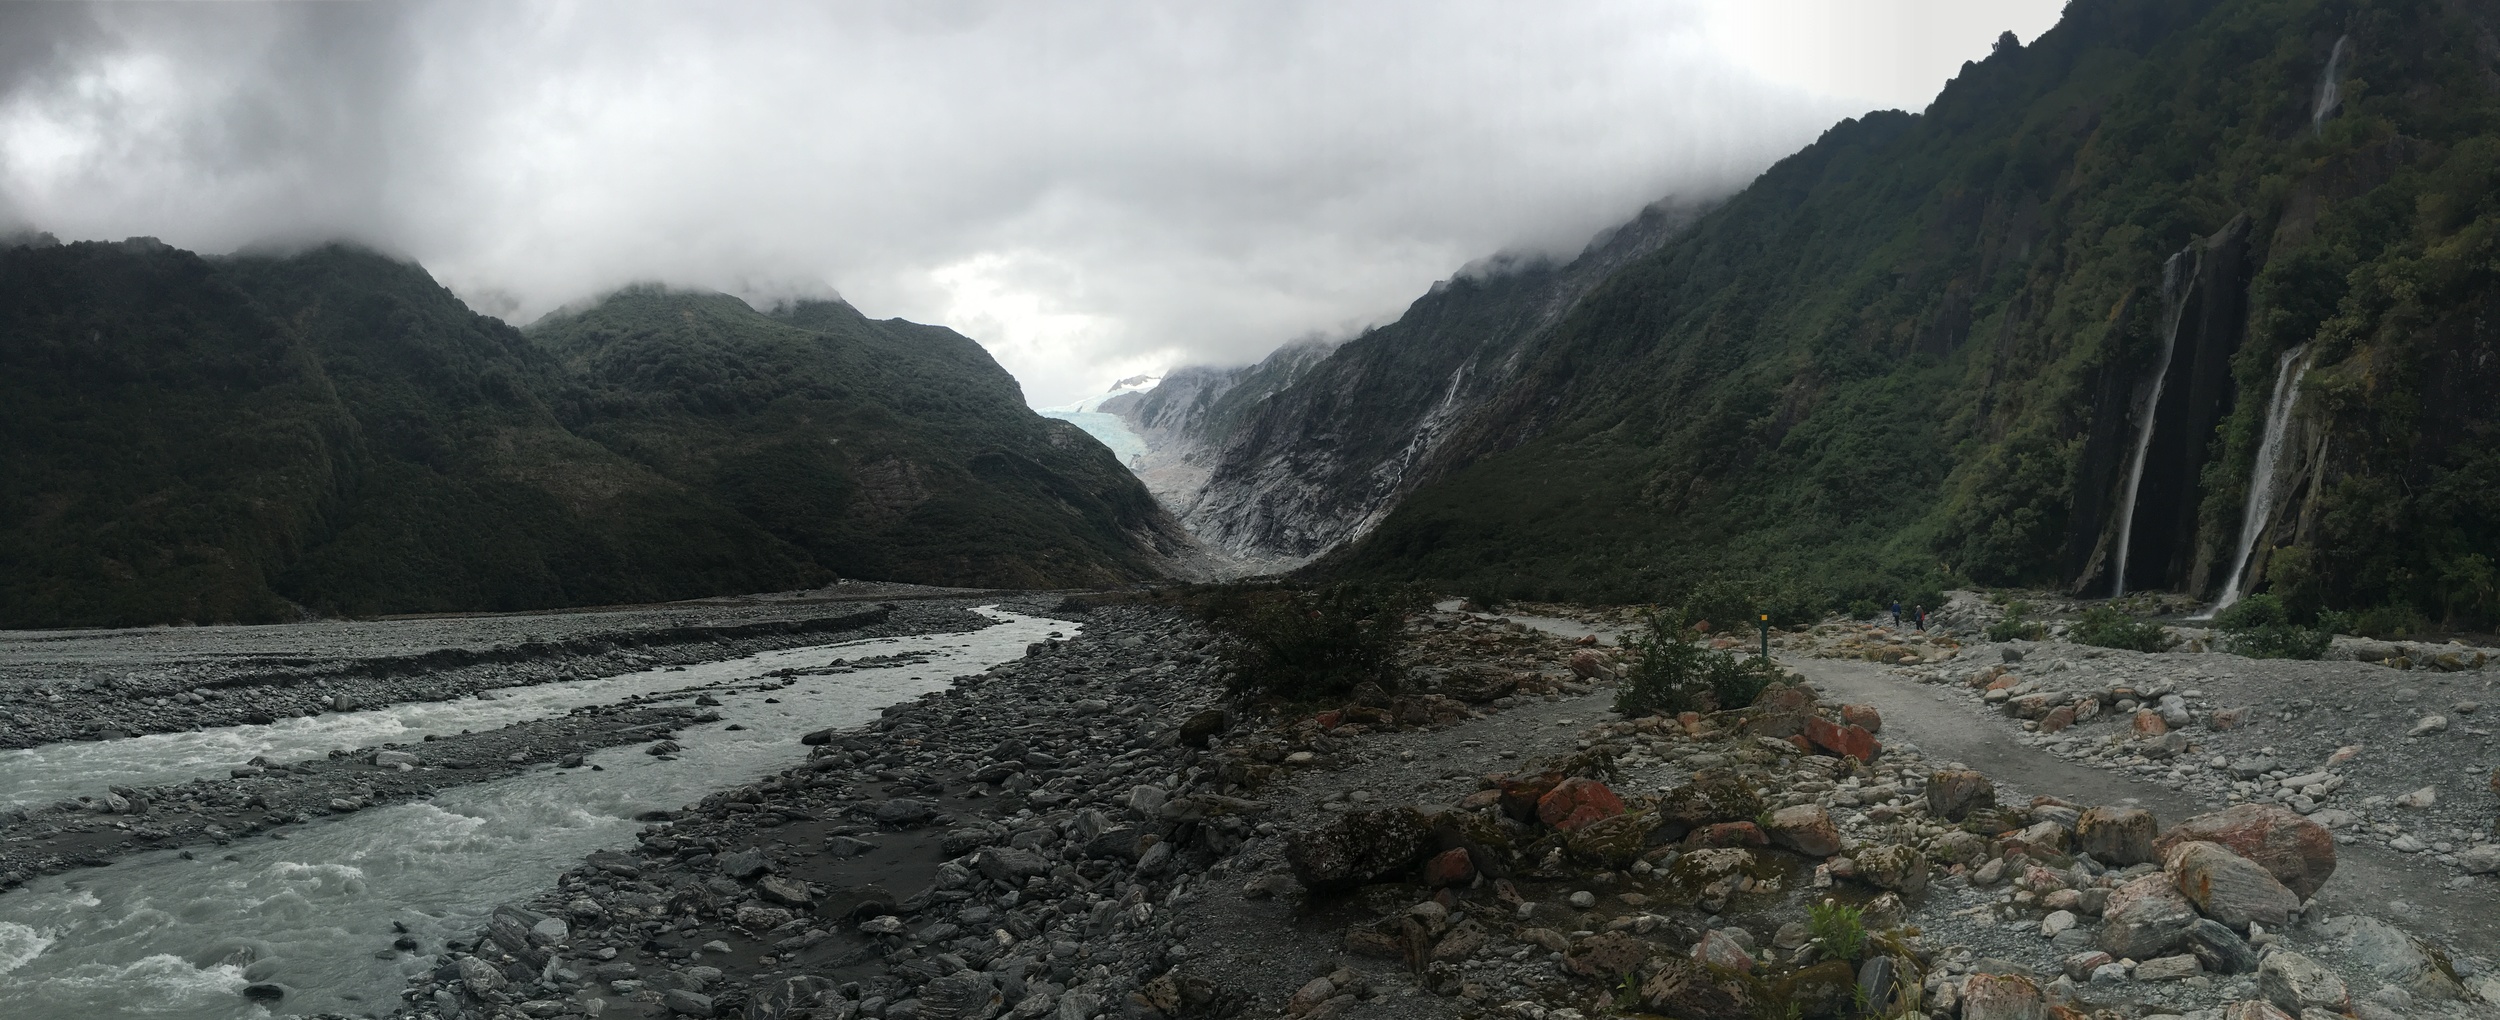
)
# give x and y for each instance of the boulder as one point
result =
(2394, 957)
(2169, 968)
(1593, 665)
(2220, 949)
(1894, 866)
(1712, 795)
(686, 1003)
(2298, 852)
(1010, 866)
(1576, 802)
(2296, 983)
(2003, 997)
(1848, 741)
(1717, 949)
(2149, 723)
(1614, 842)
(1864, 717)
(1828, 988)
(2117, 836)
(1198, 729)
(2227, 887)
(2145, 918)
(1358, 847)
(2254, 1009)
(963, 995)
(786, 891)
(1450, 867)
(1806, 829)
(1610, 956)
(1781, 711)
(1952, 794)
(1679, 987)
(742, 864)
(1520, 794)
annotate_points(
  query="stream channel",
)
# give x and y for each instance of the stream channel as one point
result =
(149, 936)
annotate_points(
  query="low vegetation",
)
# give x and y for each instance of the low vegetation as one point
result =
(2111, 628)
(2261, 627)
(2017, 625)
(1309, 644)
(1669, 671)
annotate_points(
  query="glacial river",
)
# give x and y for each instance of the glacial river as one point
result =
(316, 905)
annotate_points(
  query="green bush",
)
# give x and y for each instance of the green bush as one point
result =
(1841, 929)
(1308, 645)
(1733, 602)
(2261, 627)
(2017, 626)
(2109, 628)
(2389, 623)
(1860, 609)
(1671, 672)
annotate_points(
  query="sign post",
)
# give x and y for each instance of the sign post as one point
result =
(1766, 639)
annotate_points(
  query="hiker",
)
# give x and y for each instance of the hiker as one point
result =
(1921, 619)
(1896, 612)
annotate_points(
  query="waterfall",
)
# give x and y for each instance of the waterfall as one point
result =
(2174, 295)
(2261, 482)
(2330, 84)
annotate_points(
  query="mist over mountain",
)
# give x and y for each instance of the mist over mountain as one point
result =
(2036, 334)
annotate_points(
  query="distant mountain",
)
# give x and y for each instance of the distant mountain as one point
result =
(1929, 347)
(245, 438)
(1313, 446)
(2037, 334)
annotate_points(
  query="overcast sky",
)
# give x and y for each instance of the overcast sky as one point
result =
(1090, 189)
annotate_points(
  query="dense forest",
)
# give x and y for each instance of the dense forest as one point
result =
(1921, 351)
(256, 437)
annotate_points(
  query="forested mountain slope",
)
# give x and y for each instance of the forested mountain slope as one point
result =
(1924, 349)
(243, 438)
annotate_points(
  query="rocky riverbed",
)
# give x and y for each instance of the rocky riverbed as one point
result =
(1089, 832)
(1093, 831)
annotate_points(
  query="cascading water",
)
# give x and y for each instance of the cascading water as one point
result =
(2262, 481)
(149, 935)
(2174, 294)
(2330, 85)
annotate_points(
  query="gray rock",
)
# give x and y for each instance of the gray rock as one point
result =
(963, 995)
(2220, 949)
(2146, 918)
(742, 864)
(2294, 983)
(2168, 968)
(2394, 957)
(685, 1003)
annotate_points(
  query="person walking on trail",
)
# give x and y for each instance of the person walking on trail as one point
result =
(1921, 619)
(1896, 613)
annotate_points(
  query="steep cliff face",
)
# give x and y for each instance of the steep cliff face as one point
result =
(1187, 417)
(1321, 460)
(1981, 342)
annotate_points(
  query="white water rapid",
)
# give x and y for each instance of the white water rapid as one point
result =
(2262, 480)
(2173, 305)
(119, 941)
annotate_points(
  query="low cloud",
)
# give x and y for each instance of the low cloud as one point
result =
(1089, 189)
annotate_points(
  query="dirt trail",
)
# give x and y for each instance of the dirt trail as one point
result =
(2367, 880)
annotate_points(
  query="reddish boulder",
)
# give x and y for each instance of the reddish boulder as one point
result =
(2229, 888)
(1593, 665)
(1864, 717)
(1850, 741)
(2002, 997)
(2298, 852)
(1480, 800)
(2149, 723)
(2058, 719)
(1450, 867)
(2228, 719)
(1577, 802)
(1330, 719)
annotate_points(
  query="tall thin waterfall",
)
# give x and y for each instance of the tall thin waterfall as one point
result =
(2262, 481)
(2330, 84)
(2174, 295)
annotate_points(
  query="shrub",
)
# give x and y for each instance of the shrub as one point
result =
(2017, 626)
(2109, 628)
(2389, 622)
(2261, 627)
(1860, 609)
(1671, 672)
(1841, 929)
(1788, 599)
(1313, 644)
